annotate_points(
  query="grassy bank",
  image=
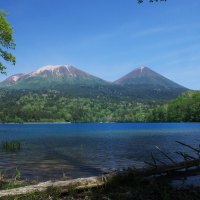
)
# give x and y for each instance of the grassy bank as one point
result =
(129, 186)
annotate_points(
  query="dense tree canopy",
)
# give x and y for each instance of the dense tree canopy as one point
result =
(185, 108)
(55, 106)
(6, 42)
(151, 1)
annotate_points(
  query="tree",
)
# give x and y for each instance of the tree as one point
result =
(151, 1)
(6, 42)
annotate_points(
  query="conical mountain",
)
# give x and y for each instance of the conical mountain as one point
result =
(146, 76)
(147, 83)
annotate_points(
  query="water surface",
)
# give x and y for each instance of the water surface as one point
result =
(52, 151)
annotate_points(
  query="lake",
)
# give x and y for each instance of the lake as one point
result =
(53, 151)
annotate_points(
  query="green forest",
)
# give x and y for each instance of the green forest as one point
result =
(52, 106)
(185, 108)
(55, 106)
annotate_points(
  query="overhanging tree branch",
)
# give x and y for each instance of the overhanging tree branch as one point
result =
(6, 41)
(151, 1)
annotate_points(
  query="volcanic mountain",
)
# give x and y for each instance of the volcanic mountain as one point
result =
(147, 77)
(145, 82)
(141, 83)
(50, 77)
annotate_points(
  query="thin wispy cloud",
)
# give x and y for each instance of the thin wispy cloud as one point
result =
(146, 32)
(128, 29)
(162, 29)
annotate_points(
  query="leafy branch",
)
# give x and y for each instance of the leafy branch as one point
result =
(151, 1)
(6, 41)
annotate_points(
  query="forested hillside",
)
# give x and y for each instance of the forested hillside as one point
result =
(185, 108)
(55, 106)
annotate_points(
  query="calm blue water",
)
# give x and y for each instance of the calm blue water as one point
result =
(51, 151)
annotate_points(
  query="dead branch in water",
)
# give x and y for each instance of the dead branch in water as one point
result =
(189, 146)
(169, 158)
(189, 162)
(186, 156)
(171, 167)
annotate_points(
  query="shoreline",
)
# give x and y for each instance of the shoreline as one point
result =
(100, 123)
(130, 181)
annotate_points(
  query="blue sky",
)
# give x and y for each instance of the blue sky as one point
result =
(108, 38)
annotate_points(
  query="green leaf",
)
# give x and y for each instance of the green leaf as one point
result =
(6, 41)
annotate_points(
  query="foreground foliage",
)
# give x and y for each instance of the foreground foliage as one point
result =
(6, 41)
(10, 183)
(130, 186)
(151, 1)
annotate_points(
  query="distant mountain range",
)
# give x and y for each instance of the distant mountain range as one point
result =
(141, 83)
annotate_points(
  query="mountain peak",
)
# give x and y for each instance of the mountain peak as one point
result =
(54, 69)
(142, 69)
(51, 76)
(146, 77)
(48, 68)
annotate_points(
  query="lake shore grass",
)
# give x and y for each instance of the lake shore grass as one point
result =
(11, 146)
(127, 185)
